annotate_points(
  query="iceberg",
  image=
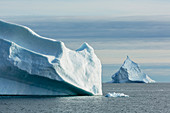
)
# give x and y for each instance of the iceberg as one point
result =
(130, 72)
(116, 95)
(34, 65)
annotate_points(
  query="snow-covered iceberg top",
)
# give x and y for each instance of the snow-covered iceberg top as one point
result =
(116, 95)
(31, 64)
(130, 72)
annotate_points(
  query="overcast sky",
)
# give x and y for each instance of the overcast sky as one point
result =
(84, 7)
(113, 51)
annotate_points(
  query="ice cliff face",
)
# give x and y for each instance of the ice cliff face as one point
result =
(35, 65)
(130, 72)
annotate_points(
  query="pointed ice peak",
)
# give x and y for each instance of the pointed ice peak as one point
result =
(127, 57)
(130, 72)
(127, 60)
(86, 46)
(129, 63)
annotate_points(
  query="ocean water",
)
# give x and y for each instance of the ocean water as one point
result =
(144, 98)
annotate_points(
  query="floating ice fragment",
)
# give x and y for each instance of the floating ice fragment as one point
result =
(116, 95)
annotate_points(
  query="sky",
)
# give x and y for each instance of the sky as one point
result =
(152, 53)
(84, 7)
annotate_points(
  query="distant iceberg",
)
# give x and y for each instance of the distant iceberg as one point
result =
(116, 95)
(35, 65)
(130, 72)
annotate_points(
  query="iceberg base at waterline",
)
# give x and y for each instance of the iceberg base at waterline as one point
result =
(34, 65)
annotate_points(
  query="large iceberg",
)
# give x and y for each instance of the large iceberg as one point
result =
(34, 65)
(130, 72)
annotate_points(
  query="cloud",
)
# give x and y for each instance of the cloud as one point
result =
(84, 8)
(140, 56)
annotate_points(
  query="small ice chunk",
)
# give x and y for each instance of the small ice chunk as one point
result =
(116, 95)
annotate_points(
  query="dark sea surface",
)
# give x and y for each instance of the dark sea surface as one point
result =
(143, 98)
